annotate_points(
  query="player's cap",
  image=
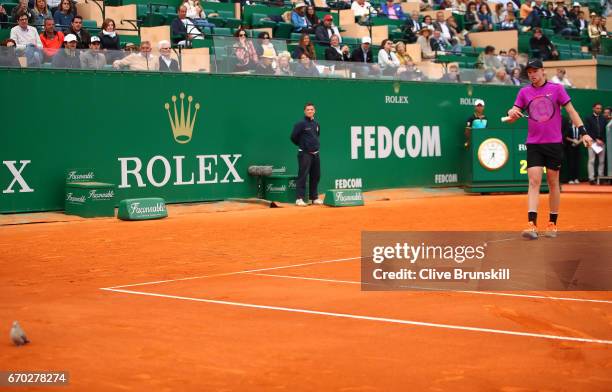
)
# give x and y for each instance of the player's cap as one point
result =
(366, 40)
(535, 63)
(95, 38)
(328, 17)
(70, 38)
(479, 102)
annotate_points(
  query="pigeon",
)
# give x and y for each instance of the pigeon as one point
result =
(18, 337)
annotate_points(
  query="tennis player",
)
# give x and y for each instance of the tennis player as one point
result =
(544, 141)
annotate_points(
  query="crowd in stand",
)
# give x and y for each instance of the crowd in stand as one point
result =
(51, 32)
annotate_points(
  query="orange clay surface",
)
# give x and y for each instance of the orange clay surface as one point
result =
(51, 275)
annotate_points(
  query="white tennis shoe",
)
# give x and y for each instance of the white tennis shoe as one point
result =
(300, 203)
(317, 202)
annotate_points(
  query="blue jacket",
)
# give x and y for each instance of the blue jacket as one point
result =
(62, 21)
(398, 10)
(299, 22)
(305, 135)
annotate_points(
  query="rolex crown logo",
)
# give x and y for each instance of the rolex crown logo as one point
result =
(182, 127)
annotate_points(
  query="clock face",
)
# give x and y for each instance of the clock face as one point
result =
(492, 154)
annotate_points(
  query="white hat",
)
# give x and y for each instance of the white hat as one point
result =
(70, 38)
(300, 4)
(479, 102)
(576, 4)
(366, 40)
(95, 38)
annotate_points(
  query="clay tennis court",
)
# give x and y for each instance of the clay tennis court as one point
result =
(234, 297)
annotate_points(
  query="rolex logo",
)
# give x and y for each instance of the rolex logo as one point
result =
(182, 127)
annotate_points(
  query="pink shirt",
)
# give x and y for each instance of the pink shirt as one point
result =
(548, 131)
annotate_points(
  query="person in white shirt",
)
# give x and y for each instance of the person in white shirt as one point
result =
(560, 78)
(387, 60)
(440, 25)
(142, 61)
(166, 62)
(27, 40)
(362, 9)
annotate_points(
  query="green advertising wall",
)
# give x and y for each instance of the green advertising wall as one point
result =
(117, 123)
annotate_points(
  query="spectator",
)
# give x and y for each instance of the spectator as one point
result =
(245, 52)
(501, 77)
(306, 67)
(40, 12)
(484, 16)
(387, 60)
(549, 10)
(409, 72)
(541, 47)
(196, 14)
(488, 60)
(534, 19)
(452, 75)
(515, 76)
(426, 5)
(362, 10)
(51, 39)
(412, 27)
(109, 41)
(298, 18)
(82, 35)
(438, 43)
(53, 6)
(602, 26)
(509, 23)
(166, 62)
(595, 34)
(560, 78)
(424, 41)
(363, 54)
(471, 20)
(283, 67)
(335, 52)
(142, 61)
(446, 4)
(265, 66)
(574, 13)
(427, 22)
(21, 9)
(3, 16)
(326, 30)
(64, 14)
(67, 57)
(27, 39)
(581, 24)
(183, 30)
(509, 10)
(441, 26)
(478, 120)
(496, 15)
(459, 38)
(595, 125)
(525, 10)
(400, 52)
(311, 18)
(459, 6)
(392, 10)
(93, 58)
(509, 61)
(8, 54)
(561, 3)
(572, 143)
(304, 47)
(264, 44)
(561, 24)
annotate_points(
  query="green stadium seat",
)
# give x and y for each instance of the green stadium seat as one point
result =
(283, 30)
(8, 7)
(153, 19)
(142, 10)
(233, 23)
(90, 24)
(269, 24)
(217, 21)
(170, 16)
(226, 31)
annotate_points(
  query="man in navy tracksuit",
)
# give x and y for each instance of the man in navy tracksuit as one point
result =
(305, 135)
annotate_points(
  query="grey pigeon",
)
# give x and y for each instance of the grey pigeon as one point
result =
(18, 337)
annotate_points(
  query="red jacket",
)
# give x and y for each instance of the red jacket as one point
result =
(50, 46)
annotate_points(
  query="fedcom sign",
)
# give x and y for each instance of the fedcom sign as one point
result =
(379, 142)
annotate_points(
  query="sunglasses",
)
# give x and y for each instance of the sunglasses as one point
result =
(241, 35)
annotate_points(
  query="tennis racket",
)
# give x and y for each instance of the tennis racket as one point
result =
(539, 109)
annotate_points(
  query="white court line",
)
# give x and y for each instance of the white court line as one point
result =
(451, 291)
(369, 318)
(234, 273)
